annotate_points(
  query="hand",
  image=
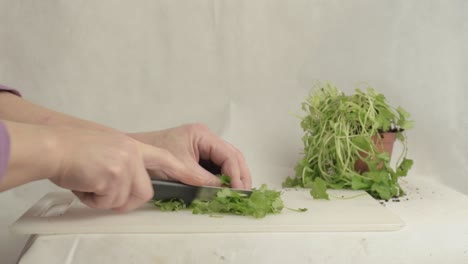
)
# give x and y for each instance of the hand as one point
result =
(190, 143)
(108, 170)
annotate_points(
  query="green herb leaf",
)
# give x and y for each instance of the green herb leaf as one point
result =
(170, 205)
(382, 190)
(404, 167)
(291, 182)
(319, 189)
(359, 184)
(299, 210)
(361, 142)
(225, 180)
(403, 121)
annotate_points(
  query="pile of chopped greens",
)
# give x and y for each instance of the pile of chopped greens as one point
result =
(261, 202)
(170, 205)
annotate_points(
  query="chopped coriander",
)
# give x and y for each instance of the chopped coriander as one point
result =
(319, 189)
(297, 210)
(261, 202)
(170, 205)
(225, 180)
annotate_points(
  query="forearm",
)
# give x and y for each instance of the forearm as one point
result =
(16, 109)
(34, 154)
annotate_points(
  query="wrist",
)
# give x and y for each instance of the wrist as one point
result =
(34, 151)
(52, 143)
(154, 138)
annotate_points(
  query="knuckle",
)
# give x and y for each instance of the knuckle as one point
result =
(101, 187)
(115, 170)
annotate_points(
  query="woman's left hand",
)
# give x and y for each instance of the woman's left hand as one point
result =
(190, 143)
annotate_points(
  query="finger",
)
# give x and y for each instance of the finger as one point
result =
(141, 191)
(133, 203)
(231, 168)
(93, 200)
(245, 175)
(244, 172)
(198, 176)
(122, 196)
(155, 175)
(114, 195)
(102, 195)
(163, 163)
(123, 186)
(225, 156)
(160, 162)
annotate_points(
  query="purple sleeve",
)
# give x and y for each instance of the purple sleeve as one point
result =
(8, 89)
(4, 149)
(5, 138)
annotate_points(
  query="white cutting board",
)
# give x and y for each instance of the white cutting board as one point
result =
(62, 213)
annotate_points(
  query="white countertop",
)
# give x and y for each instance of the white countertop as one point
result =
(436, 231)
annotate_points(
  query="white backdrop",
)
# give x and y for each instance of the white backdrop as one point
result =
(242, 67)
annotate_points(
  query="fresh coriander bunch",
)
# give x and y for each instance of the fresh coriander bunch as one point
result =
(341, 131)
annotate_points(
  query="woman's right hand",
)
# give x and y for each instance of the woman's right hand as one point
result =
(105, 170)
(108, 170)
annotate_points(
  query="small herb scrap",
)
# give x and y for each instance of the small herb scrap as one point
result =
(300, 210)
(170, 205)
(225, 180)
(319, 189)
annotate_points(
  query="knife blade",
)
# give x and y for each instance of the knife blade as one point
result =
(165, 190)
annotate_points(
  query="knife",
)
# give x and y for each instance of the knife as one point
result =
(165, 190)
